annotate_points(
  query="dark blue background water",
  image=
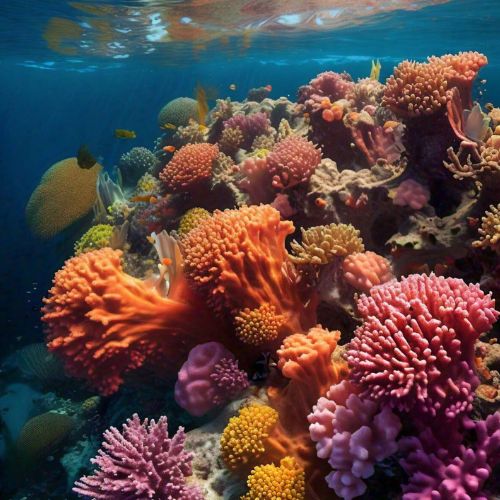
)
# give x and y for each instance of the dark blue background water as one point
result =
(47, 113)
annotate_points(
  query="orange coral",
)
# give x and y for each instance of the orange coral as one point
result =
(363, 270)
(190, 167)
(258, 326)
(103, 322)
(238, 259)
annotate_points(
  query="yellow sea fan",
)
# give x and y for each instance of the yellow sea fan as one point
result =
(321, 244)
(269, 482)
(65, 194)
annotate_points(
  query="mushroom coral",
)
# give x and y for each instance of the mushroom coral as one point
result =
(66, 193)
(103, 322)
(237, 258)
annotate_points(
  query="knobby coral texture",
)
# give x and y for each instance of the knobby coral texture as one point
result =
(309, 285)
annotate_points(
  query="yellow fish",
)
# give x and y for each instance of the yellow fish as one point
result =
(201, 99)
(121, 133)
(375, 72)
(169, 126)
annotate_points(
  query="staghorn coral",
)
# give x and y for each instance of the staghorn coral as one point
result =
(321, 244)
(191, 219)
(473, 161)
(411, 193)
(96, 237)
(134, 164)
(103, 322)
(414, 350)
(258, 326)
(353, 434)
(363, 270)
(292, 162)
(141, 462)
(237, 259)
(209, 378)
(243, 440)
(65, 194)
(268, 482)
(178, 112)
(490, 229)
(190, 168)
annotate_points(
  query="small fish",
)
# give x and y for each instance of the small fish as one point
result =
(232, 86)
(166, 261)
(201, 99)
(375, 71)
(84, 157)
(121, 133)
(320, 202)
(169, 126)
(147, 198)
(169, 149)
(269, 88)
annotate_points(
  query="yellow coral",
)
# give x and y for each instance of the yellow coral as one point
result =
(243, 439)
(147, 184)
(98, 236)
(269, 482)
(191, 219)
(490, 229)
(321, 244)
(65, 194)
(258, 326)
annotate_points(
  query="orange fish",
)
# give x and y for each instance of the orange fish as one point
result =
(169, 149)
(166, 261)
(146, 198)
(320, 202)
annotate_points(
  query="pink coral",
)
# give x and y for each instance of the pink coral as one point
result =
(411, 193)
(415, 348)
(442, 472)
(363, 270)
(190, 168)
(353, 434)
(209, 378)
(141, 462)
(251, 126)
(292, 161)
(257, 181)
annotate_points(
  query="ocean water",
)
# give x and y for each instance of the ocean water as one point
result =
(71, 73)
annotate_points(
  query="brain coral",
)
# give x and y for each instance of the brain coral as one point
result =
(178, 112)
(292, 161)
(141, 462)
(96, 237)
(269, 482)
(321, 244)
(237, 258)
(190, 167)
(415, 348)
(364, 270)
(103, 322)
(65, 194)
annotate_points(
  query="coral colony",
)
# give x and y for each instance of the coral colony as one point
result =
(317, 279)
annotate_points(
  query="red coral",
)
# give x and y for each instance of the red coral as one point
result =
(190, 167)
(292, 161)
(238, 259)
(415, 348)
(103, 322)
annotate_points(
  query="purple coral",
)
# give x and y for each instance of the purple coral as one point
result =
(353, 434)
(411, 193)
(209, 378)
(447, 472)
(251, 126)
(141, 462)
(327, 85)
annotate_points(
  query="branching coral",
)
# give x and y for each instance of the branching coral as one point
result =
(292, 161)
(141, 462)
(490, 229)
(414, 350)
(209, 378)
(321, 244)
(353, 434)
(365, 270)
(237, 258)
(268, 482)
(103, 322)
(473, 161)
(190, 168)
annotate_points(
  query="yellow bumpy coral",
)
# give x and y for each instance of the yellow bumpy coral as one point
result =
(243, 439)
(490, 229)
(258, 326)
(191, 219)
(147, 184)
(321, 244)
(269, 482)
(96, 237)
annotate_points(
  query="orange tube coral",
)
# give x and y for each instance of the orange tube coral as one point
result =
(103, 322)
(238, 259)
